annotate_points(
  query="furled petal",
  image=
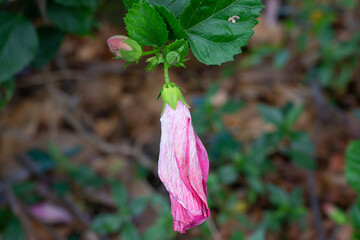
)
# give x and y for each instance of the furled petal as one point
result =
(183, 168)
(116, 43)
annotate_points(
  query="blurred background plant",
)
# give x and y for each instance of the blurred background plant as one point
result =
(80, 133)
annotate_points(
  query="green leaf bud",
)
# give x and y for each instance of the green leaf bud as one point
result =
(153, 63)
(173, 58)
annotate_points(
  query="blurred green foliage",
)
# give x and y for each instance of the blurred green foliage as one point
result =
(243, 166)
(237, 165)
(352, 169)
(234, 163)
(12, 228)
(18, 18)
(71, 176)
(353, 165)
(328, 57)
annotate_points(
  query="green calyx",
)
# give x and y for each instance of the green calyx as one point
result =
(170, 94)
(132, 55)
(155, 61)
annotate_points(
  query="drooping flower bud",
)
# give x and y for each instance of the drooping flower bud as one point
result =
(170, 94)
(183, 168)
(125, 48)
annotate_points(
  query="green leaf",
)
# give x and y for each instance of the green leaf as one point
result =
(232, 106)
(162, 229)
(107, 223)
(302, 151)
(14, 230)
(173, 24)
(271, 114)
(120, 194)
(338, 215)
(50, 39)
(357, 113)
(355, 214)
(179, 46)
(138, 205)
(293, 115)
(26, 192)
(85, 176)
(256, 184)
(302, 160)
(5, 216)
(281, 58)
(145, 25)
(129, 3)
(129, 231)
(296, 197)
(70, 19)
(259, 234)
(213, 39)
(227, 174)
(349, 3)
(344, 77)
(352, 166)
(6, 92)
(160, 203)
(237, 235)
(42, 160)
(153, 63)
(18, 44)
(176, 7)
(78, 3)
(277, 195)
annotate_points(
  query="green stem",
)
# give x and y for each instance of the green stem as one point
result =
(150, 52)
(166, 74)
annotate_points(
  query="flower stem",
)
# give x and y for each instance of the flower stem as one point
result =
(150, 52)
(166, 74)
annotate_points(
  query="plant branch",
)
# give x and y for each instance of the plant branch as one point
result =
(213, 229)
(311, 180)
(122, 149)
(166, 74)
(150, 52)
(314, 203)
(42, 7)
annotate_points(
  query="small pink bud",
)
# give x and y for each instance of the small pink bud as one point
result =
(116, 43)
(125, 48)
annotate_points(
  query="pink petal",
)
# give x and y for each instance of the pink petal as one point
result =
(50, 213)
(116, 43)
(183, 168)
